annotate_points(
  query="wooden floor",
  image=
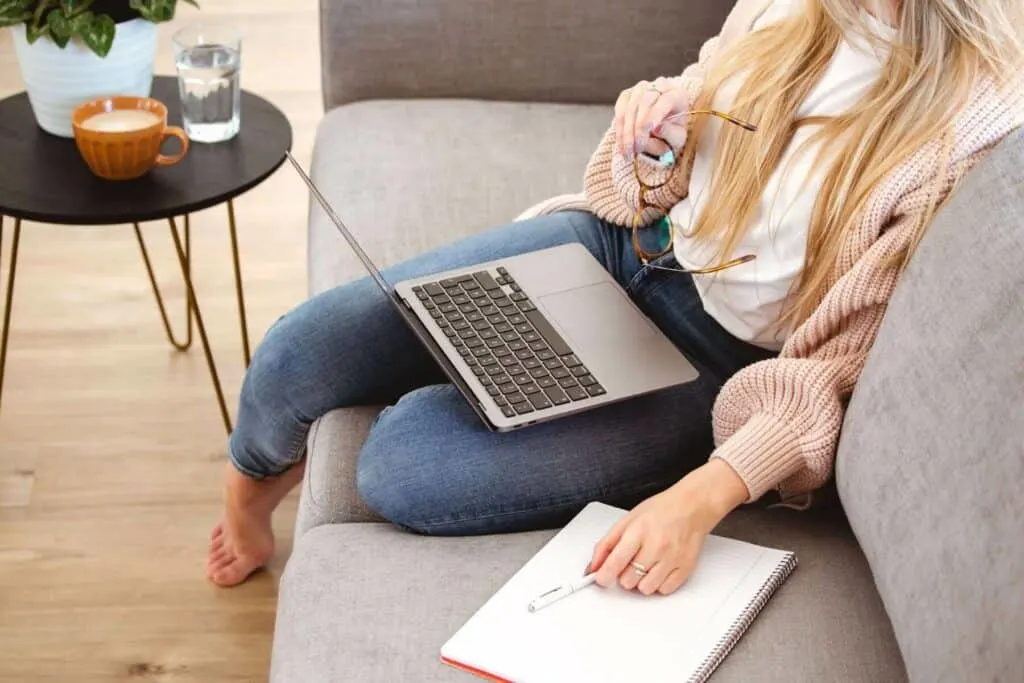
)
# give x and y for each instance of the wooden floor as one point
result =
(111, 447)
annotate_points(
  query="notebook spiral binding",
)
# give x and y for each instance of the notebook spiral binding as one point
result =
(724, 646)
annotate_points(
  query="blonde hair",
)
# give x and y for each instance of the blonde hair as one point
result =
(941, 49)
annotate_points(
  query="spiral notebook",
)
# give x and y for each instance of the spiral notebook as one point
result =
(610, 635)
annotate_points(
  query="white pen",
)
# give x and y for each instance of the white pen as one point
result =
(556, 594)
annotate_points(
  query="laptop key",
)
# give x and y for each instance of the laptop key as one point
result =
(488, 360)
(531, 363)
(438, 315)
(571, 361)
(530, 337)
(474, 342)
(467, 308)
(501, 352)
(474, 317)
(516, 319)
(495, 343)
(519, 296)
(560, 373)
(493, 391)
(420, 294)
(501, 378)
(459, 299)
(485, 280)
(489, 309)
(545, 382)
(554, 340)
(537, 373)
(433, 289)
(523, 408)
(556, 396)
(448, 308)
(552, 364)
(546, 355)
(538, 345)
(496, 318)
(480, 325)
(503, 327)
(530, 388)
(450, 282)
(587, 380)
(467, 334)
(508, 388)
(539, 401)
(477, 370)
(576, 393)
(524, 354)
(595, 390)
(526, 306)
(488, 334)
(516, 397)
(507, 411)
(477, 294)
(523, 328)
(428, 303)
(522, 379)
(460, 325)
(486, 380)
(480, 352)
(516, 345)
(509, 336)
(497, 372)
(579, 371)
(500, 400)
(567, 382)
(509, 361)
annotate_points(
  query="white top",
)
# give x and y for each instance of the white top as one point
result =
(748, 299)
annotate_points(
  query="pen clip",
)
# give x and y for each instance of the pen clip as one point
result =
(553, 590)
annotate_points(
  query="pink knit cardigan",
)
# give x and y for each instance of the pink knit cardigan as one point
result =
(777, 422)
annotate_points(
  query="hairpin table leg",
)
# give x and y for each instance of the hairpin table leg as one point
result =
(9, 298)
(190, 294)
(180, 346)
(238, 283)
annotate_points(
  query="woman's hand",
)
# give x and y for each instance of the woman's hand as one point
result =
(665, 533)
(643, 110)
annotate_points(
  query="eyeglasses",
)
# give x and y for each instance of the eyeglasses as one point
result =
(665, 229)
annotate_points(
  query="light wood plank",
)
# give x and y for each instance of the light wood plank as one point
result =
(111, 447)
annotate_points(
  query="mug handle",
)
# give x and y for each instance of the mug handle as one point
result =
(173, 131)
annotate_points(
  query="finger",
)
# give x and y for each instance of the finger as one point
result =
(620, 117)
(647, 558)
(655, 146)
(619, 559)
(629, 121)
(657, 114)
(674, 134)
(656, 577)
(641, 131)
(605, 545)
(673, 582)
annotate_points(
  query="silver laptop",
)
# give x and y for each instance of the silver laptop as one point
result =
(534, 337)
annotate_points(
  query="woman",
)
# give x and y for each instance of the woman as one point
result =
(848, 123)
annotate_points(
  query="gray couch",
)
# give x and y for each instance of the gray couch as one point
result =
(445, 117)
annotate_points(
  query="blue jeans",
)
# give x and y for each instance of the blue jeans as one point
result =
(429, 464)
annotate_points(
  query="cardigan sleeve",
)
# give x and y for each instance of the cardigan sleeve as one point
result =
(777, 422)
(610, 187)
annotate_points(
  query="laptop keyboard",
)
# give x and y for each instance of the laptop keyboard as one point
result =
(517, 355)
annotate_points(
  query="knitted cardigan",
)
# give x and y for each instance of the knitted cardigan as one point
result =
(777, 422)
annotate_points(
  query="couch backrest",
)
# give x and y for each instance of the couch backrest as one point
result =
(930, 466)
(537, 50)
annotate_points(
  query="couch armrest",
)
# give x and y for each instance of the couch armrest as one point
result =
(519, 50)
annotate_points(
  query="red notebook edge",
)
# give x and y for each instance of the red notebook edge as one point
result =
(475, 672)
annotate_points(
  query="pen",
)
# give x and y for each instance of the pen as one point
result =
(556, 594)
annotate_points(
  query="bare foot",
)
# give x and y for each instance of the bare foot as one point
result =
(243, 541)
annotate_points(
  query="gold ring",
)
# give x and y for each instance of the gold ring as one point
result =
(639, 569)
(654, 88)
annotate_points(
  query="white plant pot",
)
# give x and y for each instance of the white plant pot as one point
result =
(58, 80)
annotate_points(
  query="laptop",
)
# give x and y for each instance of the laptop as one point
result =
(531, 338)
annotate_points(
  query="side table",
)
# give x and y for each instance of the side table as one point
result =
(43, 178)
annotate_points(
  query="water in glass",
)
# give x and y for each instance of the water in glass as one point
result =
(210, 93)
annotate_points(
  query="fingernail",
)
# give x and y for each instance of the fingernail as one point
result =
(587, 569)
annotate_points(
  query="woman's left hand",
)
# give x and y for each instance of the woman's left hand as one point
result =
(663, 535)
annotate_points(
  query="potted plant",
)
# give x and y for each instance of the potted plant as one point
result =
(70, 51)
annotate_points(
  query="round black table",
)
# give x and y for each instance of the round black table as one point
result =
(43, 178)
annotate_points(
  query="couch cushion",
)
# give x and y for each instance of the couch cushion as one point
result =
(930, 464)
(406, 176)
(368, 603)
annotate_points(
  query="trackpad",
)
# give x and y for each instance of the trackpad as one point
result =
(597, 315)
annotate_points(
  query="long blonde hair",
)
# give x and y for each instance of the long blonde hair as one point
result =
(940, 51)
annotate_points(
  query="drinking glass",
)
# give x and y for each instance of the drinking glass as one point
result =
(208, 58)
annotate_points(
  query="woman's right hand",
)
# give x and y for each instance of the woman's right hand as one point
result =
(643, 110)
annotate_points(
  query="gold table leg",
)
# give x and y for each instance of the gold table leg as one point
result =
(180, 346)
(238, 283)
(9, 298)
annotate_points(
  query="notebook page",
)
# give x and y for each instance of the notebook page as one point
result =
(609, 634)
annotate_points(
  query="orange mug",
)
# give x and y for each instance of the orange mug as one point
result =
(120, 137)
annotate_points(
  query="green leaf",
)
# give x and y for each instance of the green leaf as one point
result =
(34, 31)
(60, 26)
(81, 23)
(99, 35)
(12, 14)
(157, 11)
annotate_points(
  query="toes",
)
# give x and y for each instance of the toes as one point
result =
(237, 571)
(217, 532)
(221, 558)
